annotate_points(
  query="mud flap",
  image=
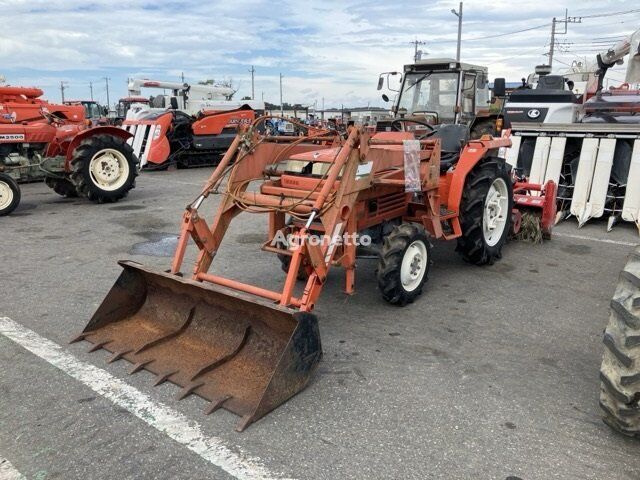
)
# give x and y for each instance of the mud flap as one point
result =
(242, 353)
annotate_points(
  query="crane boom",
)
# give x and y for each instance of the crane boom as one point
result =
(615, 56)
(212, 92)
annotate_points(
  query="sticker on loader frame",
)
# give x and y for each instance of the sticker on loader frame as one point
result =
(334, 239)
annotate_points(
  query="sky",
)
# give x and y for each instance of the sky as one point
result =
(331, 50)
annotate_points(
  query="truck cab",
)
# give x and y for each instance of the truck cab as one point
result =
(443, 91)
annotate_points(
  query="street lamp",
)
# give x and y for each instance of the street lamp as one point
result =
(459, 15)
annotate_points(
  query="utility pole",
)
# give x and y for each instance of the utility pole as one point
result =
(63, 87)
(459, 15)
(253, 90)
(281, 105)
(553, 40)
(91, 89)
(106, 81)
(417, 54)
(567, 19)
(322, 108)
(182, 76)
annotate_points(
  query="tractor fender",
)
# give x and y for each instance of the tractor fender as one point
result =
(115, 131)
(471, 155)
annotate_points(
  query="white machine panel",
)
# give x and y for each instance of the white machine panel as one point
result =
(582, 188)
(513, 151)
(540, 158)
(556, 156)
(601, 175)
(631, 206)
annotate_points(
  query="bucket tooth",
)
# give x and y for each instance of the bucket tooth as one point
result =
(139, 366)
(98, 346)
(117, 356)
(216, 363)
(244, 422)
(188, 390)
(80, 337)
(170, 335)
(215, 404)
(163, 378)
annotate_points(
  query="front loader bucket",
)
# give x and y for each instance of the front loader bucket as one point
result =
(242, 353)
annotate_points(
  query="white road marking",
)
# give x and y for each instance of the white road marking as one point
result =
(593, 239)
(8, 471)
(168, 421)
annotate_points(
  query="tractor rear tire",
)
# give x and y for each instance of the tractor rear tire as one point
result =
(9, 194)
(485, 212)
(104, 168)
(620, 370)
(404, 263)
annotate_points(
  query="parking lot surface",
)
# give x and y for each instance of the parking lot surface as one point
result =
(492, 373)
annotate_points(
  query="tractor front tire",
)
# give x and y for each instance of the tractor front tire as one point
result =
(104, 168)
(620, 370)
(404, 264)
(9, 194)
(485, 212)
(62, 187)
(484, 127)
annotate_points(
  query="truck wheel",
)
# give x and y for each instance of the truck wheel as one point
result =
(104, 168)
(404, 263)
(62, 187)
(620, 370)
(9, 194)
(485, 212)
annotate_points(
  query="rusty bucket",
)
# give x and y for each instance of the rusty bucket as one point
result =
(244, 354)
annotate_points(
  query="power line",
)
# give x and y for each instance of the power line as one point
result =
(505, 34)
(611, 14)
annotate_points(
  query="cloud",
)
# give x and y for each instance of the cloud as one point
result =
(332, 49)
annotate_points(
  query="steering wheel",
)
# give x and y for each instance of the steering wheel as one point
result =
(396, 124)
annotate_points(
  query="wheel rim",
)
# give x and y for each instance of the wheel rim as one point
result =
(109, 169)
(6, 195)
(414, 265)
(496, 212)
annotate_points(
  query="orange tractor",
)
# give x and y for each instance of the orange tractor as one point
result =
(248, 349)
(23, 104)
(44, 141)
(176, 137)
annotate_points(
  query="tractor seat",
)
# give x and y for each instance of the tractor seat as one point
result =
(452, 138)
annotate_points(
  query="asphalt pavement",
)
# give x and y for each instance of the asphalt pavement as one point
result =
(491, 374)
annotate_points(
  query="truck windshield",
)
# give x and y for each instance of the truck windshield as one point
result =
(430, 92)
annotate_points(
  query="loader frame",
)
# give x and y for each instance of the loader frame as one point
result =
(437, 210)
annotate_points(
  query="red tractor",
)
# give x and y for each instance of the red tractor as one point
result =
(73, 159)
(23, 104)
